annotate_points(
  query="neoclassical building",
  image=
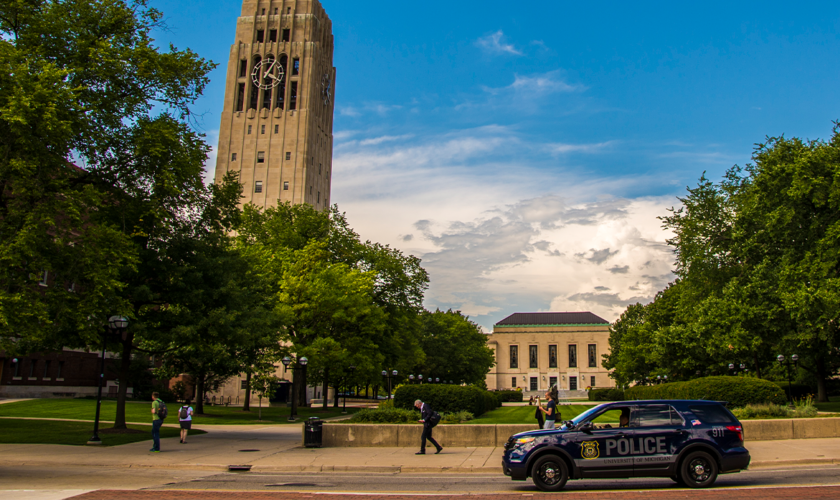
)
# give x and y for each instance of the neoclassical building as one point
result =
(537, 350)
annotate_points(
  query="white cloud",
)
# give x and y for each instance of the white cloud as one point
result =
(561, 148)
(494, 44)
(385, 138)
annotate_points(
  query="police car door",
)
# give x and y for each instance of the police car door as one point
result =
(658, 432)
(597, 449)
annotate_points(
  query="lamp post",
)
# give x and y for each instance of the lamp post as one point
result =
(351, 369)
(411, 379)
(115, 325)
(295, 363)
(420, 378)
(734, 369)
(437, 380)
(794, 361)
(388, 377)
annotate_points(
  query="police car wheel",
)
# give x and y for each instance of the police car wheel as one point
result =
(698, 470)
(550, 473)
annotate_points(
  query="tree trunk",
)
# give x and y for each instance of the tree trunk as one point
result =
(822, 375)
(125, 370)
(302, 388)
(335, 403)
(199, 393)
(367, 386)
(247, 405)
(327, 388)
(757, 365)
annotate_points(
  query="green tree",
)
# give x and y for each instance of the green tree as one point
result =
(455, 348)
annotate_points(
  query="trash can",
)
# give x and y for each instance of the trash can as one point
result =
(313, 431)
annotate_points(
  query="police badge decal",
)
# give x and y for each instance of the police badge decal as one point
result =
(589, 450)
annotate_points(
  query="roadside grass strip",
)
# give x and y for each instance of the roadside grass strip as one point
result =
(76, 433)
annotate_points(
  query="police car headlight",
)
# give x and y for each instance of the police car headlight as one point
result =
(524, 440)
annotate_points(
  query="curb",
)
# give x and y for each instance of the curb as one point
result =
(787, 463)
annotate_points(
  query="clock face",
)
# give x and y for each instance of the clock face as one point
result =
(267, 74)
(326, 89)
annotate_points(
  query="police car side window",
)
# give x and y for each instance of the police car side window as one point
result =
(676, 419)
(712, 414)
(654, 416)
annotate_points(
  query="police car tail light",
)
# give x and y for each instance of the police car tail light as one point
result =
(737, 430)
(524, 440)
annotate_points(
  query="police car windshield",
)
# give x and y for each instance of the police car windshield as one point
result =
(585, 415)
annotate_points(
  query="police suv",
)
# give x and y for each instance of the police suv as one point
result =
(689, 441)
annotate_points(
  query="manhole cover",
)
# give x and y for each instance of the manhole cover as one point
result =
(239, 467)
(247, 451)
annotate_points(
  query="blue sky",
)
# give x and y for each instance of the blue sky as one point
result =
(524, 150)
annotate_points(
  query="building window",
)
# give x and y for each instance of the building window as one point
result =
(592, 381)
(286, 35)
(258, 187)
(552, 381)
(240, 97)
(255, 91)
(275, 11)
(262, 129)
(319, 197)
(243, 384)
(46, 369)
(288, 155)
(319, 169)
(573, 384)
(263, 12)
(514, 356)
(233, 157)
(593, 356)
(293, 96)
(17, 369)
(277, 129)
(261, 157)
(552, 356)
(58, 374)
(272, 36)
(285, 185)
(260, 36)
(535, 384)
(513, 382)
(572, 356)
(249, 130)
(295, 66)
(243, 68)
(532, 356)
(32, 365)
(310, 190)
(288, 10)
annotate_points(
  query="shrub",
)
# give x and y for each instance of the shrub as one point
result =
(760, 411)
(737, 391)
(509, 396)
(388, 403)
(447, 398)
(606, 395)
(385, 416)
(456, 417)
(804, 408)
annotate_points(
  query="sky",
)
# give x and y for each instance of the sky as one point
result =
(525, 150)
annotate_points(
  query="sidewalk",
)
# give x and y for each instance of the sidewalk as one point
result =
(278, 449)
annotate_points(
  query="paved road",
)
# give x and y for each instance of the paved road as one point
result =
(161, 484)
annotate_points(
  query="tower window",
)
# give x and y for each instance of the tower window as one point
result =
(260, 36)
(319, 169)
(261, 157)
(272, 36)
(258, 187)
(295, 66)
(293, 96)
(275, 11)
(240, 97)
(288, 10)
(249, 130)
(285, 185)
(286, 35)
(310, 189)
(319, 197)
(288, 155)
(277, 129)
(233, 157)
(255, 91)
(243, 68)
(262, 129)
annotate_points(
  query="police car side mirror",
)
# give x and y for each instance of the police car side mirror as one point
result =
(587, 428)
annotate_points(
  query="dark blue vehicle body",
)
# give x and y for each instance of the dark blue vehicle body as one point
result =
(654, 443)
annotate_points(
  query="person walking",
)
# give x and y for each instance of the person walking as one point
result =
(185, 415)
(428, 422)
(158, 414)
(550, 411)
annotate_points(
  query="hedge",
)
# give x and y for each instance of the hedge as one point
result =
(447, 398)
(606, 395)
(385, 416)
(737, 391)
(509, 396)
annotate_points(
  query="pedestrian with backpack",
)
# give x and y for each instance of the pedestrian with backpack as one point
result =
(158, 414)
(185, 419)
(429, 420)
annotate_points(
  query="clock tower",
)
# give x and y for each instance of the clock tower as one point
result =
(277, 121)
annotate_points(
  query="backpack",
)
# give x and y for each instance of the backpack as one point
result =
(162, 412)
(434, 419)
(184, 413)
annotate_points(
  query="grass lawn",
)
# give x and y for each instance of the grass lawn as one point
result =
(75, 433)
(832, 406)
(525, 414)
(140, 411)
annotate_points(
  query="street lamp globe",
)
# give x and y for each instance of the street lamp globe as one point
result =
(731, 366)
(437, 379)
(117, 323)
(394, 373)
(420, 377)
(351, 368)
(303, 361)
(780, 358)
(384, 373)
(411, 377)
(286, 360)
(795, 358)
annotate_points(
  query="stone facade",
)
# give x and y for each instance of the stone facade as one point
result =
(277, 122)
(533, 351)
